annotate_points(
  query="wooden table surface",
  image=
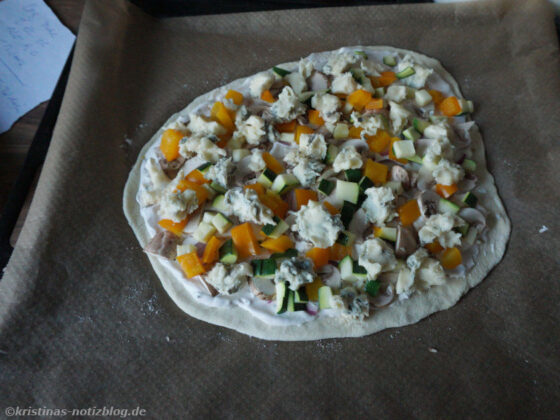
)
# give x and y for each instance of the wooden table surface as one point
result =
(15, 143)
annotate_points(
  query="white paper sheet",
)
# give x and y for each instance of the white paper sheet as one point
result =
(34, 46)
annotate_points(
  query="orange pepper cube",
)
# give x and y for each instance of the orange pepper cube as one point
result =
(272, 163)
(245, 240)
(174, 227)
(212, 250)
(169, 145)
(191, 264)
(314, 117)
(303, 197)
(379, 141)
(267, 96)
(280, 244)
(234, 96)
(288, 127)
(446, 191)
(386, 78)
(450, 106)
(302, 129)
(409, 212)
(450, 258)
(319, 256)
(376, 171)
(359, 99)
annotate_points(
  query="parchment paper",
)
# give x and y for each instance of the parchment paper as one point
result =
(84, 321)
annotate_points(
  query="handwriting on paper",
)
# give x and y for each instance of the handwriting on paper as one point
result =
(34, 46)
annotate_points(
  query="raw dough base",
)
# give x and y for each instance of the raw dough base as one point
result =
(399, 313)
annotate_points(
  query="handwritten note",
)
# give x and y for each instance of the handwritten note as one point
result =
(34, 46)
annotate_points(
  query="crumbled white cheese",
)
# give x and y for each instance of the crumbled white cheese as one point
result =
(339, 63)
(370, 123)
(305, 67)
(199, 125)
(256, 162)
(376, 256)
(414, 261)
(427, 271)
(307, 170)
(245, 205)
(440, 227)
(396, 93)
(288, 106)
(431, 273)
(347, 158)
(201, 146)
(378, 205)
(220, 172)
(297, 82)
(327, 105)
(421, 74)
(438, 148)
(399, 116)
(315, 224)
(228, 279)
(313, 145)
(261, 82)
(295, 271)
(177, 205)
(371, 68)
(252, 129)
(405, 280)
(435, 131)
(157, 176)
(448, 173)
(344, 83)
(355, 305)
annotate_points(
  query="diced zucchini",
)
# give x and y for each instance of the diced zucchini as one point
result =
(419, 124)
(347, 108)
(470, 199)
(346, 266)
(228, 252)
(409, 71)
(471, 236)
(466, 106)
(388, 233)
(411, 134)
(238, 154)
(379, 92)
(289, 253)
(217, 187)
(326, 186)
(436, 119)
(266, 178)
(415, 159)
(332, 151)
(410, 92)
(325, 296)
(404, 149)
(422, 97)
(280, 71)
(469, 165)
(221, 222)
(362, 79)
(365, 183)
(362, 53)
(204, 232)
(372, 287)
(353, 175)
(282, 294)
(204, 167)
(264, 269)
(284, 183)
(347, 191)
(389, 60)
(236, 142)
(208, 216)
(346, 238)
(446, 206)
(211, 191)
(396, 187)
(341, 131)
(300, 296)
(305, 97)
(288, 137)
(347, 213)
(218, 203)
(358, 271)
(275, 231)
(291, 302)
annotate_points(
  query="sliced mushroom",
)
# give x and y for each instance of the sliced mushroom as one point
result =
(384, 298)
(406, 243)
(318, 81)
(428, 202)
(163, 244)
(398, 173)
(262, 288)
(474, 217)
(171, 168)
(330, 276)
